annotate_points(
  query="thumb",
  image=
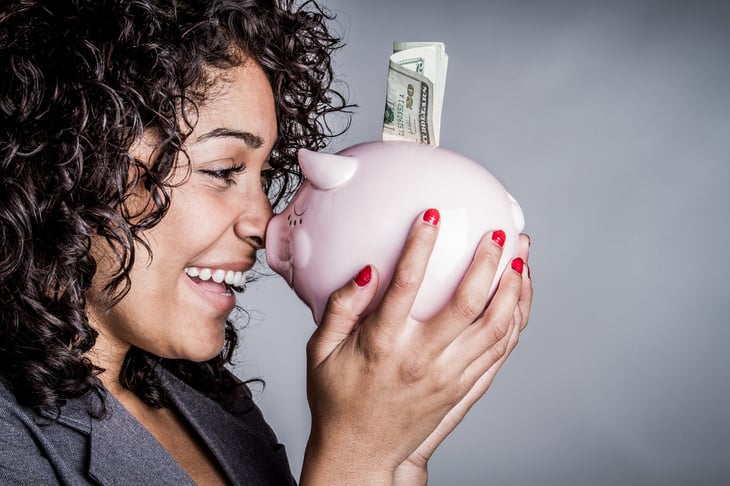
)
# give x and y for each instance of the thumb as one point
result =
(342, 314)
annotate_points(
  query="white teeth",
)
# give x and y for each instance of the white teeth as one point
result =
(219, 275)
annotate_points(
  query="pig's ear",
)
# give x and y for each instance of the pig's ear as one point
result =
(326, 171)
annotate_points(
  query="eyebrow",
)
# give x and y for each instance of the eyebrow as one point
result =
(253, 141)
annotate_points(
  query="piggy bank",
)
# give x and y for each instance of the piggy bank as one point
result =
(357, 206)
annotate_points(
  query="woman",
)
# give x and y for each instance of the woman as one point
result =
(143, 145)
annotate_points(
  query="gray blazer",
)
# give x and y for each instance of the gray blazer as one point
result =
(117, 450)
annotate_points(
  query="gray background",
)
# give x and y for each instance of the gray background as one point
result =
(610, 123)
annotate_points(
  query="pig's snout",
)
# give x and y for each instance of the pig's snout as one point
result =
(278, 254)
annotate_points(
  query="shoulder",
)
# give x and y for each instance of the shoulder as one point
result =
(22, 453)
(14, 419)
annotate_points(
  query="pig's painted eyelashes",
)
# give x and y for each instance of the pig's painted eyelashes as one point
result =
(232, 279)
(297, 219)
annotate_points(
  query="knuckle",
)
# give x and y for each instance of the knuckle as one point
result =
(447, 387)
(497, 330)
(415, 367)
(513, 284)
(493, 253)
(455, 389)
(501, 347)
(520, 320)
(405, 280)
(515, 287)
(469, 303)
(410, 372)
(338, 303)
(312, 346)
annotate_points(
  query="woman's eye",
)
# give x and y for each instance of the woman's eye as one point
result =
(226, 175)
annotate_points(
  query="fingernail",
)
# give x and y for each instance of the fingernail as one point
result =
(517, 265)
(432, 216)
(499, 237)
(363, 277)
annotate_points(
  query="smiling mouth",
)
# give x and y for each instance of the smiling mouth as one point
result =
(217, 280)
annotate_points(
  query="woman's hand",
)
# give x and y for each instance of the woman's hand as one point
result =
(414, 469)
(384, 391)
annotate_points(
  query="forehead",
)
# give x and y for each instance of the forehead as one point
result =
(240, 99)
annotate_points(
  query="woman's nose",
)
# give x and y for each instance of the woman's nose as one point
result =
(255, 215)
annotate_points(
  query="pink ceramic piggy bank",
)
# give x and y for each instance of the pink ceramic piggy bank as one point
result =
(356, 208)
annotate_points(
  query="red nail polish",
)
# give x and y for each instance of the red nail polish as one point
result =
(517, 265)
(432, 216)
(499, 237)
(363, 277)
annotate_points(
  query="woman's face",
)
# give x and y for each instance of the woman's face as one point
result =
(177, 304)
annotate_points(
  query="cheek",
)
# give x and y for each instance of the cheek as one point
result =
(189, 220)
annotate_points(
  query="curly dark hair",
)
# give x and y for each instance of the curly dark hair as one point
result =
(80, 81)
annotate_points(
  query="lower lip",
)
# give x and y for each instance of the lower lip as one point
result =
(222, 302)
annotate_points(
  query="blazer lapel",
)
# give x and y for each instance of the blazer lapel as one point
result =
(123, 452)
(245, 455)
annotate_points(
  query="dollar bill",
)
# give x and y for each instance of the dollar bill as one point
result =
(415, 93)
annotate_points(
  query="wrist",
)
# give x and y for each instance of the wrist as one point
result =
(326, 463)
(409, 474)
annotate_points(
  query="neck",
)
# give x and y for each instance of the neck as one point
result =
(108, 352)
(109, 356)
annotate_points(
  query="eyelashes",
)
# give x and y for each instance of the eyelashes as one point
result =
(296, 219)
(227, 175)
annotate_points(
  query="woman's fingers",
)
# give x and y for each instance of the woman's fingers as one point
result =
(342, 314)
(472, 294)
(524, 306)
(429, 370)
(480, 383)
(523, 247)
(487, 339)
(345, 306)
(495, 335)
(395, 308)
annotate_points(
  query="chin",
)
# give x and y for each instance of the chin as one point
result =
(204, 352)
(203, 349)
